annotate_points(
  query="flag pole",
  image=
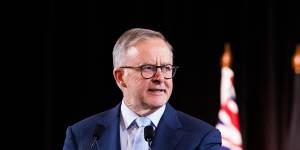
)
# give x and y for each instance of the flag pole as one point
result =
(294, 132)
(226, 59)
(296, 60)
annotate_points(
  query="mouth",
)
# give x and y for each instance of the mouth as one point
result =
(158, 91)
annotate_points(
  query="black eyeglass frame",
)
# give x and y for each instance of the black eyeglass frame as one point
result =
(173, 68)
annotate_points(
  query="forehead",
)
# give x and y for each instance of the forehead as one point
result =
(151, 51)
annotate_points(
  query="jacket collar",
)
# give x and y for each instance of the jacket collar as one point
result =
(111, 135)
(167, 133)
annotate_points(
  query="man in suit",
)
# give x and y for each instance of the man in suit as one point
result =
(143, 70)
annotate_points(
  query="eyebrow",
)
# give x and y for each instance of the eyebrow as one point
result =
(163, 64)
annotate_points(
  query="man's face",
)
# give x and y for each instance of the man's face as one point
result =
(146, 95)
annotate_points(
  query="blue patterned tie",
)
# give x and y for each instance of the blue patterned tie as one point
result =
(139, 141)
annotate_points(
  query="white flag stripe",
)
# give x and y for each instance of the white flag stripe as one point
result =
(230, 132)
(232, 106)
(224, 117)
(225, 143)
(226, 85)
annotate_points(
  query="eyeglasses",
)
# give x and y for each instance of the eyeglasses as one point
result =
(148, 71)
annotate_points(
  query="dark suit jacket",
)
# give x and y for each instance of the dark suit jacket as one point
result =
(176, 130)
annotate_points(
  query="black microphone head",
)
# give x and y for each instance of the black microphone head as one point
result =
(148, 133)
(98, 131)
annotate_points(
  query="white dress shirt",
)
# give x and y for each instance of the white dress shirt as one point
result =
(126, 123)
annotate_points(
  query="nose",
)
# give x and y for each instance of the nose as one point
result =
(159, 75)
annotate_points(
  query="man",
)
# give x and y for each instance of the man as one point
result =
(143, 70)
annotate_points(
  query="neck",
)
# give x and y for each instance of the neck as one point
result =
(141, 110)
(143, 113)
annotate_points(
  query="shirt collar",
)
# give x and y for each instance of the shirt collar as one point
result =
(129, 116)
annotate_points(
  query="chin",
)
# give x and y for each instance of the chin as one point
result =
(155, 102)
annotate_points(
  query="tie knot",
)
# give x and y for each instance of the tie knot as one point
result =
(142, 121)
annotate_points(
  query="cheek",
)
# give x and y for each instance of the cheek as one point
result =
(138, 83)
(133, 78)
(169, 84)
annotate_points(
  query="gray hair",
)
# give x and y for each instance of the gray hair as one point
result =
(130, 38)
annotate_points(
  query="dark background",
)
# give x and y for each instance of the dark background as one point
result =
(65, 62)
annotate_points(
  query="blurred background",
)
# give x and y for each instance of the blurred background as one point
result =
(69, 53)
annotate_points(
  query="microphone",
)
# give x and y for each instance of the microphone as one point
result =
(149, 134)
(98, 131)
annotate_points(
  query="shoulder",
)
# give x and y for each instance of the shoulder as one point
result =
(196, 133)
(193, 124)
(188, 122)
(88, 124)
(204, 135)
(91, 120)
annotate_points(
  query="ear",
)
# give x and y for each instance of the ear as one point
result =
(119, 77)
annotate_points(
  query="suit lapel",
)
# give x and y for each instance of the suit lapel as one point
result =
(168, 132)
(111, 135)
